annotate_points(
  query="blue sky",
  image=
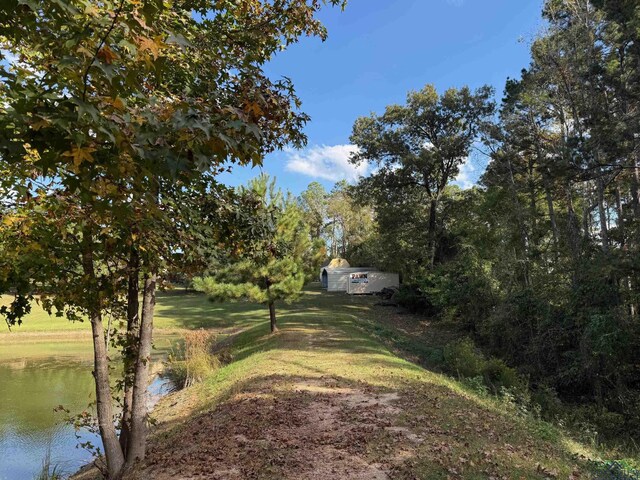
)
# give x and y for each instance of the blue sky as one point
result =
(376, 52)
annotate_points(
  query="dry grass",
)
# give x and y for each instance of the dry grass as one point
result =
(192, 360)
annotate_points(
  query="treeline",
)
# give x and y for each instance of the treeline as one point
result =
(540, 262)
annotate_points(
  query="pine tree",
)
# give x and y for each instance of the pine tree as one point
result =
(271, 250)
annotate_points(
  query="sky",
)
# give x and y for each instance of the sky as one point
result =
(377, 51)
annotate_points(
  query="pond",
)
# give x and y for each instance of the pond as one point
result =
(30, 388)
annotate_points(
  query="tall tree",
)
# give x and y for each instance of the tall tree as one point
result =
(421, 145)
(349, 222)
(313, 202)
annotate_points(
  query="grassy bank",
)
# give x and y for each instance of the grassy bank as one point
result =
(325, 398)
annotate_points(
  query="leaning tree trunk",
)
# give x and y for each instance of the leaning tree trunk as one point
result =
(131, 348)
(104, 407)
(138, 435)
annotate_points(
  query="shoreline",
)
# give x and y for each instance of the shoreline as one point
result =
(71, 335)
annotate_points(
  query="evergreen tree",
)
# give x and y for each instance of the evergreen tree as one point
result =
(271, 250)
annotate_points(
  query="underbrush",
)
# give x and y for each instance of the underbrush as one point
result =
(192, 361)
(492, 377)
(590, 424)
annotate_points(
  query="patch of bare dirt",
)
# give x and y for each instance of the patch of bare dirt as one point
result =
(306, 430)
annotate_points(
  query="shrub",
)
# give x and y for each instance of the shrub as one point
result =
(461, 358)
(413, 299)
(497, 375)
(192, 362)
(548, 401)
(477, 385)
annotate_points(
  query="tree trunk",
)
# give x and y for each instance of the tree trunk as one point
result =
(552, 214)
(431, 233)
(131, 348)
(272, 316)
(524, 235)
(533, 204)
(604, 230)
(104, 407)
(334, 246)
(620, 215)
(344, 240)
(138, 434)
(635, 183)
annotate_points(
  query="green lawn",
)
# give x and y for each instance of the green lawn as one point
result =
(175, 309)
(328, 339)
(42, 335)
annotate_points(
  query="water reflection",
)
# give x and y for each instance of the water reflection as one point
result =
(28, 425)
(30, 389)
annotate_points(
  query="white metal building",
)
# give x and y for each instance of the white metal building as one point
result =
(370, 281)
(337, 279)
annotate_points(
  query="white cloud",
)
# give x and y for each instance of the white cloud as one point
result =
(328, 162)
(467, 176)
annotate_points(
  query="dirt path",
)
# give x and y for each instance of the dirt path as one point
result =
(308, 430)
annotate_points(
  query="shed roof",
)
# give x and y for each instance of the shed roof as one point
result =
(348, 269)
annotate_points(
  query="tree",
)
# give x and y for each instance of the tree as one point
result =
(540, 260)
(422, 144)
(349, 223)
(270, 251)
(313, 202)
(115, 118)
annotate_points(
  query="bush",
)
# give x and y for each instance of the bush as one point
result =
(193, 361)
(477, 385)
(462, 290)
(413, 299)
(463, 359)
(498, 375)
(548, 401)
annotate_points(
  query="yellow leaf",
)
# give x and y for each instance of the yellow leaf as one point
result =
(80, 155)
(85, 51)
(38, 124)
(151, 45)
(118, 104)
(255, 109)
(10, 220)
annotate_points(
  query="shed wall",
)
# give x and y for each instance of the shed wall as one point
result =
(338, 279)
(376, 281)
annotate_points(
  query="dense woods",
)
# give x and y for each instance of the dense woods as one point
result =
(539, 263)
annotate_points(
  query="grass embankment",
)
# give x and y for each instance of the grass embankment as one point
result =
(324, 398)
